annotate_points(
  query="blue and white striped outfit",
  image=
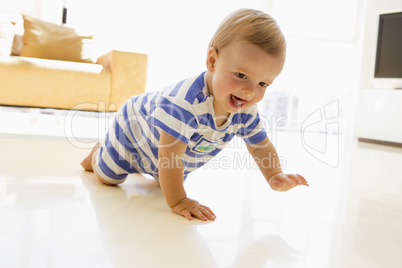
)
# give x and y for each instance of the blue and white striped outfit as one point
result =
(185, 111)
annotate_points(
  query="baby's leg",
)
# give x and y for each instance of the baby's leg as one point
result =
(89, 162)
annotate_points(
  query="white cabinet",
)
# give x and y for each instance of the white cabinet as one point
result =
(380, 115)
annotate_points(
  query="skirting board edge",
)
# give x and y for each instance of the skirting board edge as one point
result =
(388, 143)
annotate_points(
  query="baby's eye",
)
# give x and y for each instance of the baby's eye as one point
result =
(264, 85)
(242, 76)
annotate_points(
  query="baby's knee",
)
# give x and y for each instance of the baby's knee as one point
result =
(103, 180)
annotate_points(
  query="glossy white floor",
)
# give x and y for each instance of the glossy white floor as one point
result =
(53, 214)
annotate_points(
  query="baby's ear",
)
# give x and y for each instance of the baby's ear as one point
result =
(211, 59)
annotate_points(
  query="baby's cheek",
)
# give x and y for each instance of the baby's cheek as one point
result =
(259, 97)
(232, 86)
(225, 86)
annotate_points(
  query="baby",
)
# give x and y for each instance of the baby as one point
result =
(172, 132)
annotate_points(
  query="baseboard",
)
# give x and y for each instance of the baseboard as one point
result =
(388, 143)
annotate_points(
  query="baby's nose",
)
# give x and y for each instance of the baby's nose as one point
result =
(249, 90)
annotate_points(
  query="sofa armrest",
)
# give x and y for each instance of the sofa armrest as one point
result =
(128, 74)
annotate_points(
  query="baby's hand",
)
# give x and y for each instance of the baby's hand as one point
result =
(188, 207)
(284, 182)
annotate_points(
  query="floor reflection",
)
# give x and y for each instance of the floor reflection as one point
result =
(138, 228)
(268, 251)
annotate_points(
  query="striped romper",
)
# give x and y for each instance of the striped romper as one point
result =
(185, 111)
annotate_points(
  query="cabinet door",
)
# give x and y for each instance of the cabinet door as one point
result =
(380, 116)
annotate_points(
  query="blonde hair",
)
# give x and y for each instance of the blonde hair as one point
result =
(253, 26)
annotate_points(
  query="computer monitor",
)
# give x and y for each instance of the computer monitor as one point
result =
(388, 58)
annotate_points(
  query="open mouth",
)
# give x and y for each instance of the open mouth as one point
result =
(236, 101)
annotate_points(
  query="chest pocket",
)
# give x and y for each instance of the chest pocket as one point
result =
(204, 146)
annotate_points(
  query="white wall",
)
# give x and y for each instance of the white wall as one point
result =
(32, 7)
(323, 60)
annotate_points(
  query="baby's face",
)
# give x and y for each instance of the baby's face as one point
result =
(239, 75)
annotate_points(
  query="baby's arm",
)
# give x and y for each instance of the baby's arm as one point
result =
(265, 155)
(170, 168)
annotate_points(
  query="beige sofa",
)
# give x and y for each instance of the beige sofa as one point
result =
(102, 84)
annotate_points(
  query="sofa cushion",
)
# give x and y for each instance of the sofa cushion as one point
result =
(6, 37)
(53, 84)
(51, 41)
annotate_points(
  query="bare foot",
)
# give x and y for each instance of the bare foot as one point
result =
(87, 162)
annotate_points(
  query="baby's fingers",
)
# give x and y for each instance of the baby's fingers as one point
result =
(186, 214)
(208, 213)
(201, 213)
(188, 208)
(299, 179)
(285, 182)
